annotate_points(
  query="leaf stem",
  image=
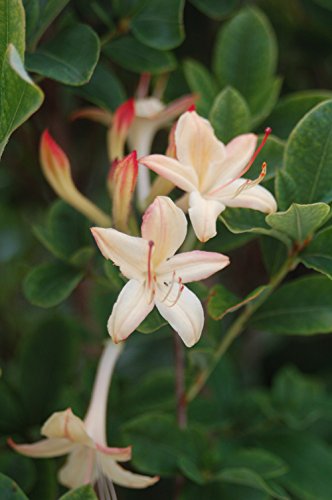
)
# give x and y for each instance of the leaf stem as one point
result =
(238, 326)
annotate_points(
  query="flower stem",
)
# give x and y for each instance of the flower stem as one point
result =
(238, 326)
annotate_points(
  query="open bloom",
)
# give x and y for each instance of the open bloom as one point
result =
(156, 275)
(211, 172)
(90, 459)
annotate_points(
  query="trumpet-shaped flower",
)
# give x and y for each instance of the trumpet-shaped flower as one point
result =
(156, 275)
(211, 172)
(56, 168)
(90, 459)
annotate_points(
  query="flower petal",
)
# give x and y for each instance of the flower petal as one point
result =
(238, 154)
(118, 454)
(184, 314)
(195, 265)
(124, 477)
(196, 144)
(128, 252)
(182, 176)
(80, 468)
(64, 424)
(256, 197)
(203, 215)
(129, 310)
(176, 108)
(54, 447)
(166, 225)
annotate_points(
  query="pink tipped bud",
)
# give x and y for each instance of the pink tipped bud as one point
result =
(121, 184)
(51, 155)
(122, 120)
(192, 108)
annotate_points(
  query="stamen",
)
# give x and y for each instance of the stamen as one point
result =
(170, 288)
(268, 131)
(181, 288)
(151, 245)
(248, 184)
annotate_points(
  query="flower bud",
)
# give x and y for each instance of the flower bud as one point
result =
(122, 120)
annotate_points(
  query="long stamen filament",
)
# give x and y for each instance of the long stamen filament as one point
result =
(251, 183)
(151, 245)
(181, 288)
(170, 288)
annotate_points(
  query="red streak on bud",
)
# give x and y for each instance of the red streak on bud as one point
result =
(124, 116)
(192, 108)
(51, 153)
(151, 245)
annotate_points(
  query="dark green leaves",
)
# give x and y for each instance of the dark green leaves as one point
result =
(69, 58)
(245, 58)
(308, 156)
(82, 493)
(302, 307)
(9, 489)
(230, 115)
(159, 24)
(215, 9)
(318, 255)
(137, 57)
(201, 82)
(221, 301)
(49, 284)
(40, 15)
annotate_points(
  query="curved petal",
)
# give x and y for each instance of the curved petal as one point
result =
(46, 448)
(238, 154)
(184, 313)
(196, 143)
(64, 424)
(182, 176)
(124, 477)
(195, 265)
(128, 252)
(131, 307)
(203, 215)
(118, 454)
(256, 197)
(166, 225)
(79, 469)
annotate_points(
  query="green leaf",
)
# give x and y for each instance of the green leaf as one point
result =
(264, 463)
(11, 409)
(285, 188)
(265, 100)
(291, 108)
(274, 254)
(215, 9)
(132, 55)
(221, 301)
(9, 489)
(19, 96)
(47, 359)
(46, 11)
(11, 27)
(298, 399)
(302, 307)
(318, 254)
(246, 61)
(159, 24)
(300, 221)
(104, 89)
(21, 469)
(248, 477)
(153, 322)
(245, 220)
(201, 83)
(82, 493)
(309, 461)
(272, 153)
(69, 58)
(50, 284)
(308, 155)
(230, 115)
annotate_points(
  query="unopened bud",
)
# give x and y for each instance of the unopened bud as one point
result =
(122, 120)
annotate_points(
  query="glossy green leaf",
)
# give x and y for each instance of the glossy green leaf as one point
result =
(291, 108)
(301, 307)
(152, 323)
(308, 155)
(69, 58)
(83, 493)
(318, 254)
(246, 54)
(50, 284)
(11, 27)
(44, 13)
(248, 477)
(230, 115)
(264, 101)
(221, 301)
(159, 24)
(21, 469)
(274, 254)
(300, 221)
(134, 56)
(104, 89)
(47, 360)
(264, 463)
(201, 82)
(215, 9)
(9, 489)
(285, 189)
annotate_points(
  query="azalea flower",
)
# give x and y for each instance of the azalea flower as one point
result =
(211, 172)
(156, 275)
(90, 459)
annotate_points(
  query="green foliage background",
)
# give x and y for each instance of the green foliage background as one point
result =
(261, 428)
